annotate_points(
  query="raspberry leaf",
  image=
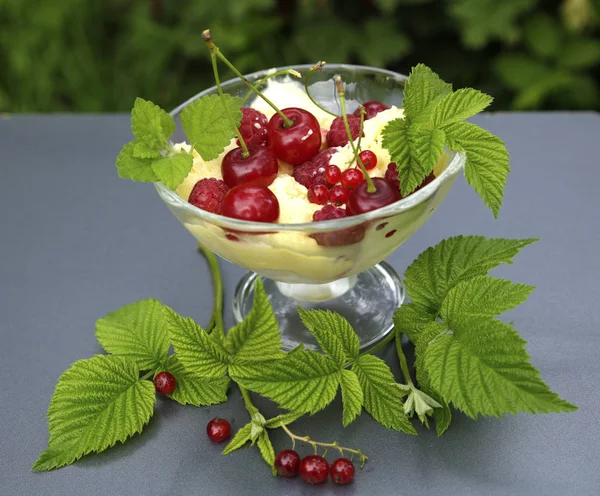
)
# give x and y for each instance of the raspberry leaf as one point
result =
(134, 168)
(266, 450)
(241, 437)
(411, 318)
(171, 170)
(422, 89)
(458, 106)
(137, 332)
(152, 127)
(352, 396)
(283, 419)
(97, 402)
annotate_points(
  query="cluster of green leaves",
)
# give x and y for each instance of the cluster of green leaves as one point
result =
(464, 355)
(434, 119)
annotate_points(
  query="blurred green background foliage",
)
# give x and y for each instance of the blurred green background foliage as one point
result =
(98, 55)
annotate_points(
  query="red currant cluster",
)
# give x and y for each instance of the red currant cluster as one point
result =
(314, 469)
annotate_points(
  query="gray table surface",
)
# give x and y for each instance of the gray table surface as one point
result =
(76, 242)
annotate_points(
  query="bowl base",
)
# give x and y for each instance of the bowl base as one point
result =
(368, 303)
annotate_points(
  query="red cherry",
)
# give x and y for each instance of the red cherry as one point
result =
(260, 167)
(165, 383)
(342, 471)
(368, 158)
(253, 127)
(298, 143)
(251, 202)
(318, 194)
(208, 194)
(361, 201)
(351, 178)
(338, 195)
(287, 463)
(218, 430)
(333, 174)
(314, 469)
(372, 108)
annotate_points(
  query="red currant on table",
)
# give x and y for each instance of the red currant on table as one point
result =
(372, 108)
(165, 383)
(260, 167)
(218, 430)
(318, 194)
(287, 463)
(251, 202)
(362, 201)
(253, 127)
(368, 158)
(337, 135)
(342, 471)
(338, 195)
(351, 178)
(299, 142)
(308, 172)
(208, 194)
(314, 469)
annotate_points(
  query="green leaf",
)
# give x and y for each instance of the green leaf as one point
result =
(427, 146)
(411, 318)
(193, 389)
(151, 125)
(352, 396)
(141, 150)
(382, 396)
(481, 366)
(241, 437)
(422, 89)
(97, 402)
(435, 271)
(579, 53)
(483, 296)
(283, 419)
(333, 333)
(134, 168)
(197, 352)
(257, 337)
(304, 381)
(207, 126)
(137, 332)
(266, 450)
(543, 36)
(458, 106)
(487, 161)
(382, 43)
(173, 169)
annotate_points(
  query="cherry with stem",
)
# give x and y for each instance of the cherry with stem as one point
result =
(282, 72)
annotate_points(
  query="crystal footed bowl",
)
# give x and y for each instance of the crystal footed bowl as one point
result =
(335, 265)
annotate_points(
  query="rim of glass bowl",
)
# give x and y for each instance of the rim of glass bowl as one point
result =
(457, 163)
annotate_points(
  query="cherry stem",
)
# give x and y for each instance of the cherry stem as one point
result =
(213, 60)
(207, 37)
(317, 67)
(334, 445)
(403, 362)
(340, 89)
(216, 319)
(282, 72)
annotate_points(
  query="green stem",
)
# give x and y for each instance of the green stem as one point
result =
(213, 60)
(403, 362)
(147, 375)
(340, 89)
(292, 72)
(317, 67)
(216, 319)
(379, 346)
(357, 150)
(252, 410)
(207, 37)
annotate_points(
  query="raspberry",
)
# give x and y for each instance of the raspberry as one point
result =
(306, 173)
(253, 127)
(372, 109)
(329, 212)
(342, 237)
(337, 135)
(208, 194)
(391, 176)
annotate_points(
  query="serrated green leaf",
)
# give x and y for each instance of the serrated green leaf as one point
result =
(141, 150)
(266, 450)
(241, 437)
(207, 126)
(481, 366)
(435, 271)
(304, 381)
(198, 353)
(333, 333)
(283, 419)
(411, 318)
(422, 89)
(427, 335)
(482, 296)
(443, 418)
(193, 389)
(134, 168)
(427, 146)
(488, 162)
(458, 106)
(151, 125)
(173, 169)
(257, 337)
(352, 396)
(97, 402)
(137, 332)
(382, 397)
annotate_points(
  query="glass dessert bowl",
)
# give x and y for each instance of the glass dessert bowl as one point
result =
(333, 264)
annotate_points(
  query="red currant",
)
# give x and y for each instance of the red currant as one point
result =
(165, 383)
(287, 463)
(333, 174)
(362, 201)
(368, 158)
(299, 142)
(372, 108)
(260, 167)
(318, 194)
(251, 202)
(351, 178)
(338, 195)
(314, 469)
(208, 194)
(218, 430)
(253, 127)
(342, 471)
